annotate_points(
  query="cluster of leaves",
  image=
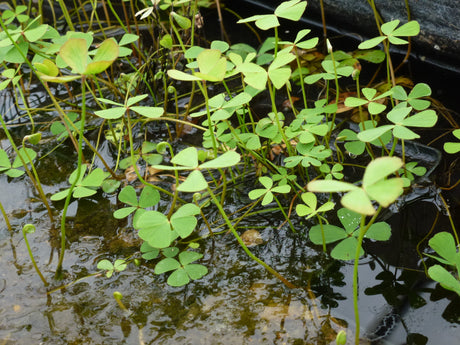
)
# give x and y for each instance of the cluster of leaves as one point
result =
(305, 141)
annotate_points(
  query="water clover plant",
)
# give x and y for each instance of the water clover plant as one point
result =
(348, 235)
(11, 169)
(453, 147)
(119, 265)
(375, 186)
(399, 115)
(310, 208)
(120, 109)
(444, 245)
(149, 197)
(159, 232)
(391, 32)
(187, 159)
(268, 191)
(183, 269)
(84, 186)
(291, 10)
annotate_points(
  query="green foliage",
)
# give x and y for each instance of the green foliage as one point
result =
(187, 159)
(268, 191)
(375, 186)
(444, 245)
(11, 169)
(149, 197)
(183, 270)
(118, 266)
(393, 34)
(159, 232)
(85, 186)
(451, 147)
(120, 109)
(309, 208)
(346, 248)
(291, 10)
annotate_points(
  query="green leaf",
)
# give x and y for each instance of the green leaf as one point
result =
(385, 192)
(105, 55)
(25, 154)
(149, 197)
(124, 212)
(426, 118)
(411, 28)
(380, 231)
(195, 182)
(220, 45)
(358, 201)
(188, 257)
(372, 134)
(443, 243)
(105, 265)
(35, 34)
(332, 233)
(196, 271)
(349, 219)
(330, 186)
(380, 168)
(112, 113)
(346, 249)
(155, 229)
(447, 281)
(75, 54)
(212, 65)
(178, 278)
(389, 27)
(183, 220)
(179, 75)
(228, 159)
(166, 41)
(166, 265)
(292, 10)
(187, 157)
(128, 196)
(371, 43)
(182, 21)
(150, 112)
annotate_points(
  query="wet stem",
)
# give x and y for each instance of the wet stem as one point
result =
(245, 248)
(58, 274)
(362, 231)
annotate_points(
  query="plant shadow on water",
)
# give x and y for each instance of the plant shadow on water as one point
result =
(102, 300)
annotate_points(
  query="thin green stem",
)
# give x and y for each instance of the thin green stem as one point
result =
(5, 216)
(31, 255)
(362, 231)
(245, 248)
(58, 274)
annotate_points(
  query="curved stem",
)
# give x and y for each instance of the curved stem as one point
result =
(245, 248)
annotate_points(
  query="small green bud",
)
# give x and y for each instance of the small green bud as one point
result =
(341, 338)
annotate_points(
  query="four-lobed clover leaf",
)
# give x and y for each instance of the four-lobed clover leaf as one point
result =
(375, 186)
(268, 191)
(348, 235)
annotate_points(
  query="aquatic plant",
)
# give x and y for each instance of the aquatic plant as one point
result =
(293, 153)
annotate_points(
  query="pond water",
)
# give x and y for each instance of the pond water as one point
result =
(238, 302)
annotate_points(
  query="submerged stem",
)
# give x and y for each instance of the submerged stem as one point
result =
(245, 248)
